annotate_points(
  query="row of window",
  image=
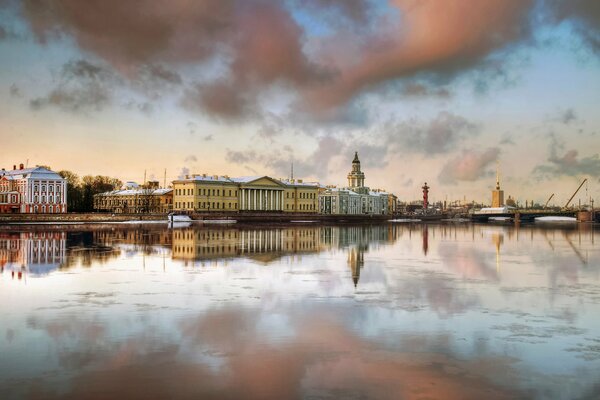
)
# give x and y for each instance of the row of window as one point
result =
(206, 192)
(50, 198)
(301, 195)
(207, 205)
(301, 207)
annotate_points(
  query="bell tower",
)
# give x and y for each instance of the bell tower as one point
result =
(356, 178)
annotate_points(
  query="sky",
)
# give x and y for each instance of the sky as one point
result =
(443, 92)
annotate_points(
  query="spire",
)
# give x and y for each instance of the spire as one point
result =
(292, 171)
(356, 160)
(497, 175)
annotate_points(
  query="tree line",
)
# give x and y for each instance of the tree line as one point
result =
(81, 191)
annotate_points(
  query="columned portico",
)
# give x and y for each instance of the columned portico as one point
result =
(261, 199)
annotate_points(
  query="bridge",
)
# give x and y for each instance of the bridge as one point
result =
(523, 215)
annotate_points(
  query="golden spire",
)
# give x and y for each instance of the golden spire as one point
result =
(497, 175)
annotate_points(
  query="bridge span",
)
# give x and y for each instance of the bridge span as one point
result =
(523, 215)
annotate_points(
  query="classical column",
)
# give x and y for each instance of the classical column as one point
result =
(271, 200)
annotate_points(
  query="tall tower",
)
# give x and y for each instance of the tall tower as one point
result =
(425, 196)
(356, 178)
(497, 194)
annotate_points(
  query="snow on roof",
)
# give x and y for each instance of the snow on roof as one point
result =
(296, 182)
(34, 173)
(133, 192)
(246, 179)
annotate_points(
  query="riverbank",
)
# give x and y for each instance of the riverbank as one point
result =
(76, 218)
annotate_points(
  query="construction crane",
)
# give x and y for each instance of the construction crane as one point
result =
(569, 202)
(548, 201)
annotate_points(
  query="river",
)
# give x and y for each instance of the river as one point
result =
(391, 311)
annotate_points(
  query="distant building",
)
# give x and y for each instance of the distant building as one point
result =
(32, 190)
(497, 194)
(356, 198)
(205, 193)
(135, 200)
(340, 201)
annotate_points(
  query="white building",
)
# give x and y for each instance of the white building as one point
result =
(355, 199)
(340, 201)
(32, 190)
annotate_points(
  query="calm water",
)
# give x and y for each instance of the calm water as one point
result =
(231, 312)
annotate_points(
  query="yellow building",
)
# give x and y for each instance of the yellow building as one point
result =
(205, 194)
(202, 193)
(497, 195)
(301, 196)
(135, 201)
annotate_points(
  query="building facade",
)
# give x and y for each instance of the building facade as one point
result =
(32, 190)
(300, 196)
(356, 198)
(145, 200)
(340, 201)
(203, 193)
(497, 194)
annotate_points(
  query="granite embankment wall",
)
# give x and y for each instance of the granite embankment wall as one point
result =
(78, 217)
(239, 217)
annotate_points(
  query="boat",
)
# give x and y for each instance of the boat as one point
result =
(555, 219)
(172, 217)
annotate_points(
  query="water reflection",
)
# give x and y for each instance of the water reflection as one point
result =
(35, 253)
(305, 311)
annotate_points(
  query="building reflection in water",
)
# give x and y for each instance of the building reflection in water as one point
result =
(270, 244)
(31, 253)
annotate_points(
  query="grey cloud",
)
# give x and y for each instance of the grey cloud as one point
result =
(415, 89)
(316, 164)
(15, 91)
(407, 183)
(155, 79)
(471, 165)
(184, 171)
(584, 15)
(567, 164)
(567, 116)
(208, 138)
(82, 86)
(442, 134)
(507, 140)
(191, 158)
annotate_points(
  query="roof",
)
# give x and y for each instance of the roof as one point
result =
(133, 192)
(35, 173)
(288, 182)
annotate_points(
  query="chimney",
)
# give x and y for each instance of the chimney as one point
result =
(204, 175)
(14, 167)
(20, 166)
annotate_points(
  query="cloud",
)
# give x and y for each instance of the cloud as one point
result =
(567, 116)
(567, 164)
(440, 135)
(413, 89)
(315, 164)
(15, 91)
(404, 49)
(471, 165)
(261, 46)
(191, 158)
(184, 171)
(208, 138)
(584, 15)
(83, 86)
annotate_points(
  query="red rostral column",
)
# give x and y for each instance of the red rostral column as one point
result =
(425, 196)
